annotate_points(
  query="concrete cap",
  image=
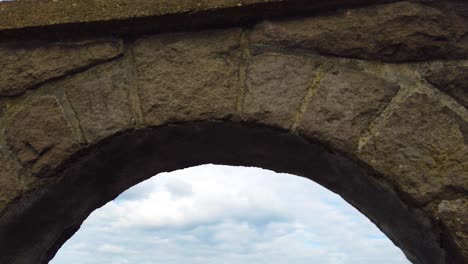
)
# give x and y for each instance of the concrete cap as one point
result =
(71, 18)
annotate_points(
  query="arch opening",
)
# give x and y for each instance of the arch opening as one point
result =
(225, 214)
(38, 224)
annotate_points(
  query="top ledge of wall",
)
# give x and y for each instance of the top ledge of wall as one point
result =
(71, 18)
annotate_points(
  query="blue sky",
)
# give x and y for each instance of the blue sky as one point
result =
(228, 215)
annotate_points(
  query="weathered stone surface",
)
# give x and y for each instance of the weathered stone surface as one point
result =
(344, 105)
(460, 21)
(454, 215)
(417, 141)
(393, 32)
(40, 136)
(24, 65)
(146, 16)
(114, 166)
(188, 76)
(275, 87)
(422, 146)
(452, 80)
(99, 97)
(10, 185)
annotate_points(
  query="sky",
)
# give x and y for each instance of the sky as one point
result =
(228, 215)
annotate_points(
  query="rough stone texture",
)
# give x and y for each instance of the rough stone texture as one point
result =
(452, 80)
(415, 139)
(394, 32)
(188, 76)
(460, 20)
(454, 215)
(275, 87)
(99, 97)
(344, 105)
(40, 136)
(24, 65)
(10, 185)
(133, 15)
(422, 146)
(18, 15)
(112, 167)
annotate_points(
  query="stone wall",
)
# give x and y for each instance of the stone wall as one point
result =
(384, 85)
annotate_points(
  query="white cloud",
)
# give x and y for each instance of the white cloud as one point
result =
(218, 214)
(106, 248)
(173, 201)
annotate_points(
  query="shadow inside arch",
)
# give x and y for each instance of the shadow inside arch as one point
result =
(39, 223)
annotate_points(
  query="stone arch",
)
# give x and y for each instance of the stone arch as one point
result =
(381, 111)
(45, 218)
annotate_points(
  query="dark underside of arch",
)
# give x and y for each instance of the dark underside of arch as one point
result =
(36, 225)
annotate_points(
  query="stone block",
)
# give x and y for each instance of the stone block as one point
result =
(454, 215)
(275, 88)
(451, 79)
(421, 146)
(40, 136)
(25, 65)
(99, 97)
(400, 31)
(343, 106)
(188, 76)
(10, 185)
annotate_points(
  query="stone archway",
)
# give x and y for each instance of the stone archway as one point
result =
(373, 97)
(48, 216)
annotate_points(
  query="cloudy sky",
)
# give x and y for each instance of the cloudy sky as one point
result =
(228, 215)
